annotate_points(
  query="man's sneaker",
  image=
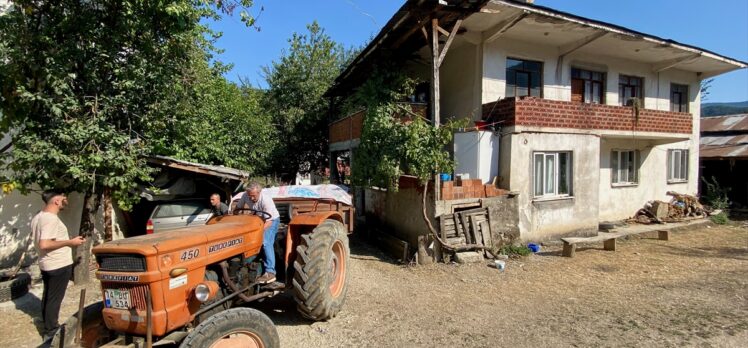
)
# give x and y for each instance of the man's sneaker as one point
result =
(266, 278)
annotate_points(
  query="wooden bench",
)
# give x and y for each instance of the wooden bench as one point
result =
(608, 239)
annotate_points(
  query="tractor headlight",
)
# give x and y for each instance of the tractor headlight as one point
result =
(202, 292)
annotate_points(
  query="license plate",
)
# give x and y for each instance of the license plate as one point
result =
(118, 298)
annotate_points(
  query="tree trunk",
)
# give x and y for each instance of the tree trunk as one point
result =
(81, 274)
(108, 214)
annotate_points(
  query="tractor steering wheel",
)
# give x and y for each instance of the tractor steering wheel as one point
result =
(263, 215)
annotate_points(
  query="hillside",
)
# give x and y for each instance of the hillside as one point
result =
(718, 109)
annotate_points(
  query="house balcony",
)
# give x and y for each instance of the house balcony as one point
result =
(344, 134)
(530, 113)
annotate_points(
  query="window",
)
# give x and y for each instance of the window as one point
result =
(630, 87)
(523, 77)
(587, 86)
(678, 98)
(552, 174)
(624, 167)
(677, 165)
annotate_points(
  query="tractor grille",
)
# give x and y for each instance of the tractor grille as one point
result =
(121, 262)
(137, 293)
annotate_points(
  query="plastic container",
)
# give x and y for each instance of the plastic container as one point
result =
(533, 247)
(446, 177)
(481, 125)
(500, 265)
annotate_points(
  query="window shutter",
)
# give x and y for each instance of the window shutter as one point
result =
(614, 167)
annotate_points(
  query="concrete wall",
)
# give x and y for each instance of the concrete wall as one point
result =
(457, 77)
(656, 85)
(399, 212)
(621, 202)
(542, 219)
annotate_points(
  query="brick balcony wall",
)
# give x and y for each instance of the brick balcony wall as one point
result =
(530, 111)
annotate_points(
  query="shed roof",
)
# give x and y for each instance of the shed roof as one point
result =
(219, 171)
(724, 137)
(727, 123)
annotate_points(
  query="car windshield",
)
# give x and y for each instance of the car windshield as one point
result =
(181, 209)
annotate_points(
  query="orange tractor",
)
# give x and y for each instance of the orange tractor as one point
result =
(190, 287)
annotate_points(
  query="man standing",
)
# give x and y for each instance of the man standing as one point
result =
(254, 198)
(217, 207)
(55, 256)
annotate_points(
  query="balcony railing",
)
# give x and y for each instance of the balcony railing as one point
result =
(536, 112)
(351, 126)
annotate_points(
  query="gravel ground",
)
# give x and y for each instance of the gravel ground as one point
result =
(689, 291)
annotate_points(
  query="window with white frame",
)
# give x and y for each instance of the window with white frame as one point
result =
(624, 167)
(677, 165)
(552, 174)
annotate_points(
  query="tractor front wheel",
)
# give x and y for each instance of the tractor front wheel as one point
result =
(319, 280)
(234, 328)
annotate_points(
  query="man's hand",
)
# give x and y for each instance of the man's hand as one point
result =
(52, 244)
(78, 240)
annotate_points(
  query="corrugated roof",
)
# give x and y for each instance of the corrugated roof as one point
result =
(219, 171)
(726, 151)
(727, 123)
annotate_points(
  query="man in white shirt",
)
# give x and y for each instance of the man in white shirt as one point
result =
(254, 198)
(53, 245)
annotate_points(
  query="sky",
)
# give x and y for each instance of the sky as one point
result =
(720, 26)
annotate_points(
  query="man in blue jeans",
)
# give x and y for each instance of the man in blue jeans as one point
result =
(254, 198)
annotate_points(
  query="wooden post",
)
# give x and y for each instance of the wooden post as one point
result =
(610, 244)
(148, 320)
(435, 98)
(79, 328)
(663, 235)
(569, 249)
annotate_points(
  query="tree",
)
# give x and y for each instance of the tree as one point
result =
(296, 85)
(214, 121)
(704, 89)
(81, 81)
(394, 141)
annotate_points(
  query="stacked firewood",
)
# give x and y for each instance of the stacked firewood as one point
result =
(681, 207)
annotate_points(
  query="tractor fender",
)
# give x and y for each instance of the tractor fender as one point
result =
(305, 223)
(314, 218)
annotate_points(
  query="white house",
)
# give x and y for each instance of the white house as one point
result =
(593, 120)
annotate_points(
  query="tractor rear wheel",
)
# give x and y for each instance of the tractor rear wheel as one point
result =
(234, 328)
(319, 280)
(94, 331)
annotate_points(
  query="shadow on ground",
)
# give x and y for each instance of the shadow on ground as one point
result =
(282, 308)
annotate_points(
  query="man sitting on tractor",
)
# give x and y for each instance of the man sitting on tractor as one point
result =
(254, 199)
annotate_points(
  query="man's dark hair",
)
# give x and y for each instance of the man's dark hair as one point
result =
(49, 194)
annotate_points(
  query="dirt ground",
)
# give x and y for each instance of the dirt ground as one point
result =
(689, 291)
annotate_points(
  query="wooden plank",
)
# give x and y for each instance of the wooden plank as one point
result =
(486, 231)
(393, 246)
(454, 241)
(477, 235)
(465, 228)
(599, 238)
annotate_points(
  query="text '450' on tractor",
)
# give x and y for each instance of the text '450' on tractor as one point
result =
(190, 287)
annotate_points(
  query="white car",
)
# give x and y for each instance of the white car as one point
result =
(171, 215)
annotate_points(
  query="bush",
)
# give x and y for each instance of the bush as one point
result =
(512, 250)
(720, 219)
(716, 195)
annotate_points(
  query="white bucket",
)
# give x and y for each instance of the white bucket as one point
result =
(500, 265)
